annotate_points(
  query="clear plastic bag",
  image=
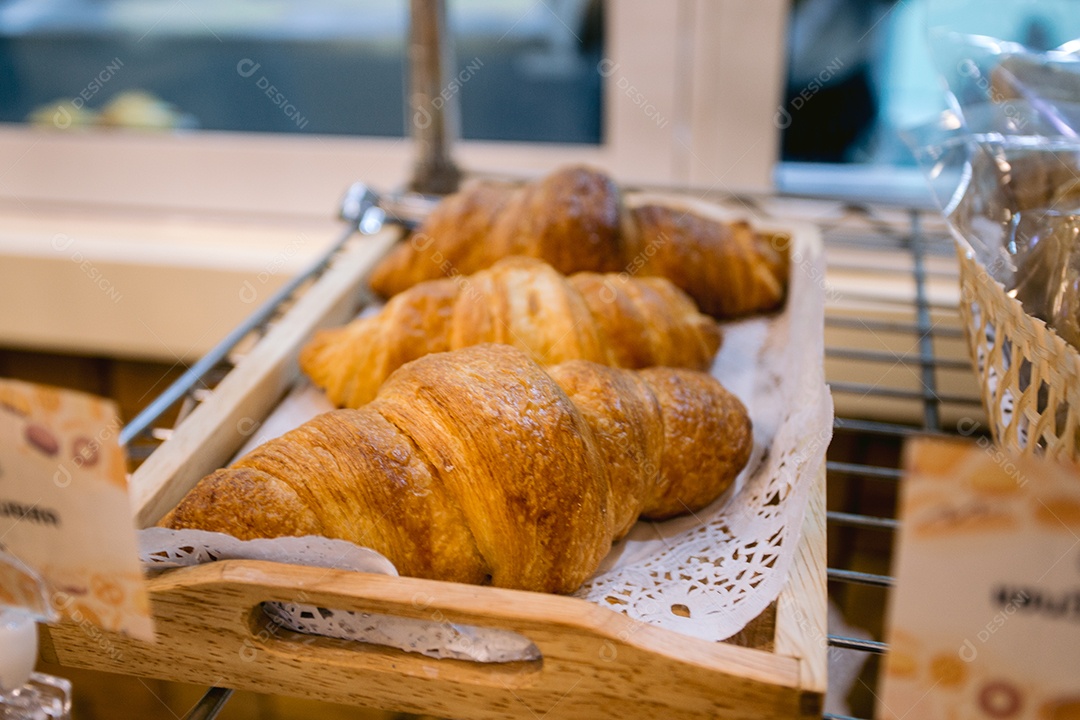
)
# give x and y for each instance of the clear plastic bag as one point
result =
(1004, 160)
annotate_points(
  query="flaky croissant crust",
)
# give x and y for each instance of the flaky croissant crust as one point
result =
(478, 466)
(577, 221)
(609, 319)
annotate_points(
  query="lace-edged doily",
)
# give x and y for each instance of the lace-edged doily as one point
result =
(710, 574)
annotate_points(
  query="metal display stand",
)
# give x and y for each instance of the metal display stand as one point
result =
(853, 526)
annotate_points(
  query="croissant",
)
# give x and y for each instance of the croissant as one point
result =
(575, 220)
(479, 466)
(522, 302)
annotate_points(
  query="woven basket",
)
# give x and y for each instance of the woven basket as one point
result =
(1030, 377)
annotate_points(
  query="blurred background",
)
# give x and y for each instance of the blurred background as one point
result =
(855, 71)
(532, 71)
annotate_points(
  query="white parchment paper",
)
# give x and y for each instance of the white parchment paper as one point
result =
(705, 575)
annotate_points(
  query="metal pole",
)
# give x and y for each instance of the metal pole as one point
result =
(433, 114)
(360, 208)
(211, 704)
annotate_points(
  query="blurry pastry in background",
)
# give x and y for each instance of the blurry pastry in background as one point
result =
(62, 114)
(134, 109)
(139, 109)
(1020, 77)
(1038, 179)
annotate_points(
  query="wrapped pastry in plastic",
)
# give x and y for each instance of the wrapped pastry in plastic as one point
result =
(1004, 163)
(1047, 280)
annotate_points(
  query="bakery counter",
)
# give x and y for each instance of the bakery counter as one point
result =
(159, 286)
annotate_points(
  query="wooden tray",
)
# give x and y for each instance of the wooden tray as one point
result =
(595, 662)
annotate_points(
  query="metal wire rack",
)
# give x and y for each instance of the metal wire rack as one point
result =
(895, 362)
(937, 390)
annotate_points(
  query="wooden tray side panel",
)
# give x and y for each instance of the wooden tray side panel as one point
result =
(217, 427)
(594, 661)
(801, 609)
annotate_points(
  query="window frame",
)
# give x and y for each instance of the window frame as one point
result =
(690, 89)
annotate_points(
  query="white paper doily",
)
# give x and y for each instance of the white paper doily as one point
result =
(711, 573)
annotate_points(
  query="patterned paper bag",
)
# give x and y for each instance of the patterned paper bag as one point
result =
(65, 518)
(985, 616)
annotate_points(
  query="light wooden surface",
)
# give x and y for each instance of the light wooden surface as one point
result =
(738, 72)
(592, 657)
(157, 286)
(801, 612)
(218, 426)
(867, 286)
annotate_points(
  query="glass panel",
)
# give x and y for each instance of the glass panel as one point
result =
(526, 70)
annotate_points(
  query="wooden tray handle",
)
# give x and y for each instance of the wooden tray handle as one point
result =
(547, 620)
(211, 629)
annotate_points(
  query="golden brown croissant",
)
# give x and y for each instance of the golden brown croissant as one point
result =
(522, 302)
(478, 466)
(575, 220)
